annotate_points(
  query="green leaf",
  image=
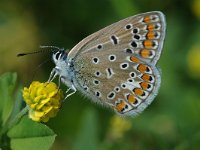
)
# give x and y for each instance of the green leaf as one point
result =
(31, 135)
(7, 85)
(17, 102)
(87, 137)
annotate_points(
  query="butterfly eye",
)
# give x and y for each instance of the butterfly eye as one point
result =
(57, 55)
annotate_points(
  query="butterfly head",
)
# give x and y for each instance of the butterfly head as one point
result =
(62, 67)
(60, 59)
(59, 56)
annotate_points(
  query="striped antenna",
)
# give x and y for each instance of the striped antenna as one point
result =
(43, 50)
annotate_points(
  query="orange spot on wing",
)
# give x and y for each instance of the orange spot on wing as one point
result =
(145, 53)
(134, 59)
(142, 68)
(151, 27)
(131, 99)
(150, 35)
(120, 106)
(138, 91)
(144, 85)
(147, 19)
(148, 44)
(146, 77)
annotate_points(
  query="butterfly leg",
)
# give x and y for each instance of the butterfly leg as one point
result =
(52, 75)
(73, 91)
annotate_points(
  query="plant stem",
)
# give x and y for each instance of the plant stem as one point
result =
(14, 121)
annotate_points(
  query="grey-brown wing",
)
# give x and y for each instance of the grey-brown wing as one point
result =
(116, 65)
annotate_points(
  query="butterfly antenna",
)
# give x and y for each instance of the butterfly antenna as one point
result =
(52, 47)
(23, 54)
(43, 50)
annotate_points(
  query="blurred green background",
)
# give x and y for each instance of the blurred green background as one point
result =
(172, 121)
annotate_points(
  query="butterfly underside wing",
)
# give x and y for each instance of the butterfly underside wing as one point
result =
(116, 65)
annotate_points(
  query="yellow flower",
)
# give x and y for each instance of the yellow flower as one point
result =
(44, 100)
(118, 127)
(194, 61)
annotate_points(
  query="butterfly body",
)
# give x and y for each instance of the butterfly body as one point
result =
(116, 65)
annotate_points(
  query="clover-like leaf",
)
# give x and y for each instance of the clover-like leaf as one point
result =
(7, 86)
(31, 135)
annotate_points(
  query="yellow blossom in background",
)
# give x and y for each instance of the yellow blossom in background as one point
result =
(194, 61)
(118, 127)
(196, 8)
(44, 100)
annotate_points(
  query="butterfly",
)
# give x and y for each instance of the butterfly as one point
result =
(116, 66)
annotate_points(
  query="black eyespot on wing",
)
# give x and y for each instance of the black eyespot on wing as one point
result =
(129, 51)
(111, 95)
(137, 37)
(134, 44)
(99, 46)
(128, 26)
(109, 71)
(135, 30)
(114, 39)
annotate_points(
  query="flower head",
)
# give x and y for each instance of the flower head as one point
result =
(44, 100)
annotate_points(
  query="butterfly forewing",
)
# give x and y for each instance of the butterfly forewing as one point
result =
(116, 65)
(146, 32)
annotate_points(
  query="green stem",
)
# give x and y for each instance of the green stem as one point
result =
(14, 121)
